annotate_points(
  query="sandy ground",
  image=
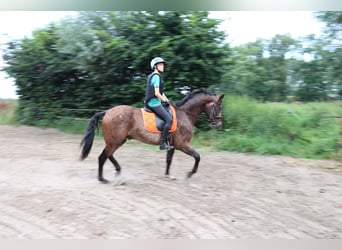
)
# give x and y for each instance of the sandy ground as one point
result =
(46, 192)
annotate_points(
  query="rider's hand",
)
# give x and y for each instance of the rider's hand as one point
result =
(166, 104)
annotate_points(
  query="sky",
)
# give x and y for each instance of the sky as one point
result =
(246, 26)
(241, 26)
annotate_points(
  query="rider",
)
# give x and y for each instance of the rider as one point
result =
(155, 98)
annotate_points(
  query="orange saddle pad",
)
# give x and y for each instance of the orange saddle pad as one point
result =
(150, 121)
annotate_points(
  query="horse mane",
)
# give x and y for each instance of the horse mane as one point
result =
(192, 95)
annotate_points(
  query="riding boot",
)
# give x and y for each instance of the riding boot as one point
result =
(164, 140)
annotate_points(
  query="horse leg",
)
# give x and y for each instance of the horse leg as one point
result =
(116, 164)
(169, 161)
(102, 159)
(189, 151)
(108, 153)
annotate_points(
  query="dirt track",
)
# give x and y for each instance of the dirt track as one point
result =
(46, 192)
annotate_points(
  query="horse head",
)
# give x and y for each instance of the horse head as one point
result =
(214, 111)
(201, 100)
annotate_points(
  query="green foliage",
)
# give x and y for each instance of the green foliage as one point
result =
(260, 69)
(101, 59)
(305, 130)
(309, 68)
(321, 77)
(71, 125)
(7, 112)
(333, 21)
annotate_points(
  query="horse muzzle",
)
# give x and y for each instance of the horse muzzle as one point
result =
(216, 123)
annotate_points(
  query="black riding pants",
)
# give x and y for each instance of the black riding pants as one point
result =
(163, 114)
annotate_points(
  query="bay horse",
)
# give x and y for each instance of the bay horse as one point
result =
(126, 122)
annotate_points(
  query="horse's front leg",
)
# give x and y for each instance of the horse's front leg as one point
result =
(169, 158)
(190, 151)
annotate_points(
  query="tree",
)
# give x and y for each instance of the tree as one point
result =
(333, 24)
(277, 87)
(320, 76)
(246, 71)
(100, 59)
(332, 39)
(260, 69)
(39, 73)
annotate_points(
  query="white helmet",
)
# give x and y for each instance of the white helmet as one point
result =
(155, 61)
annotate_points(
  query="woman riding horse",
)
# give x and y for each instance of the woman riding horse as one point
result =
(155, 95)
(126, 122)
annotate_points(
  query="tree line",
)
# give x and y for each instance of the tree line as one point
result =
(97, 60)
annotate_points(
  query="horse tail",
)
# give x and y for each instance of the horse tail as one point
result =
(88, 139)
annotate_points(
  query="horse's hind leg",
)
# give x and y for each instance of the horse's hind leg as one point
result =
(102, 159)
(107, 153)
(116, 164)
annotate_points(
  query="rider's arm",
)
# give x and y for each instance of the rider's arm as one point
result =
(155, 81)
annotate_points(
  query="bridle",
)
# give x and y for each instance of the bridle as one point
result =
(214, 113)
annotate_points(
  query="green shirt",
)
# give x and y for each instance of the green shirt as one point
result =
(155, 82)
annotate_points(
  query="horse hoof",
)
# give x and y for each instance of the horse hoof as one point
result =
(170, 177)
(119, 180)
(103, 180)
(189, 175)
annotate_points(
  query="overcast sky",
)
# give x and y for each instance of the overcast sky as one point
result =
(241, 27)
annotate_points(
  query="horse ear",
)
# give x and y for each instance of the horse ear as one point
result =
(221, 97)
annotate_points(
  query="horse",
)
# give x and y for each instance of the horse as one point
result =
(123, 122)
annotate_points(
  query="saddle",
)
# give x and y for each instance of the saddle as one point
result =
(153, 123)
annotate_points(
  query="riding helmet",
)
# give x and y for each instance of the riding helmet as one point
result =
(155, 61)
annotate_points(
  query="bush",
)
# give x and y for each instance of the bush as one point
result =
(278, 128)
(7, 112)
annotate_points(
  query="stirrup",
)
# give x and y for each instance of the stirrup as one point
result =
(165, 146)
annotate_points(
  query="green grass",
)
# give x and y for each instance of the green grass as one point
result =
(7, 112)
(72, 125)
(303, 130)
